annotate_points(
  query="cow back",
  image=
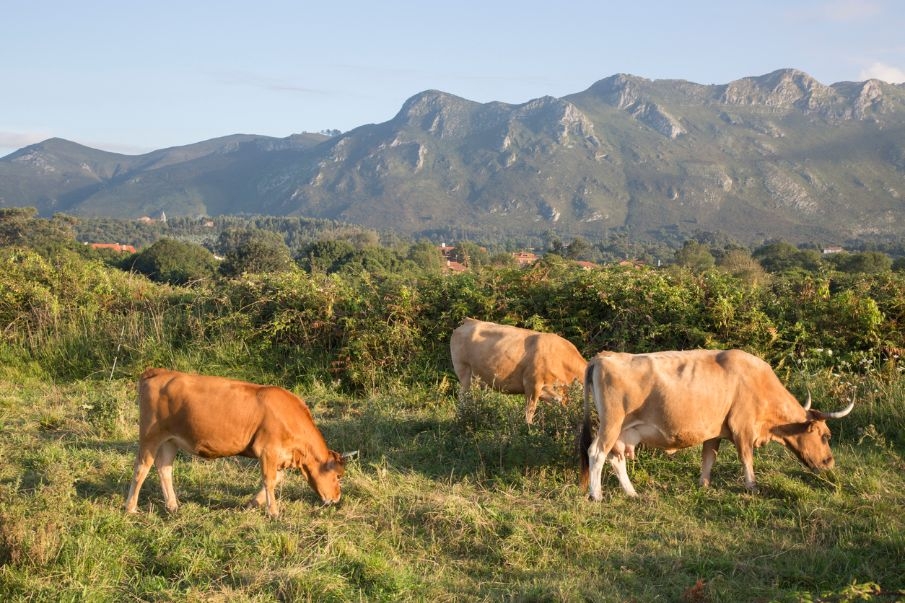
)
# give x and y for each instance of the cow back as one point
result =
(505, 357)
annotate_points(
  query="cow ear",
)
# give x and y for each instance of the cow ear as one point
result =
(812, 425)
(336, 458)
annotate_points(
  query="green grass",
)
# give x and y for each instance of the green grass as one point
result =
(443, 504)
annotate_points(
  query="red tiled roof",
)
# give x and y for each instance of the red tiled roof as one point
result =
(114, 247)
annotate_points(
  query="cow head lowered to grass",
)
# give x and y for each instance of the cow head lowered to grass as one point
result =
(513, 360)
(673, 400)
(213, 417)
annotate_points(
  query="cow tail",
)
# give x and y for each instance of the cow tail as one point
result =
(584, 440)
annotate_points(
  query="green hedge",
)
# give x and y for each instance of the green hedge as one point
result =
(76, 318)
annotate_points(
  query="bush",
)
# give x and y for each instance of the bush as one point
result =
(174, 262)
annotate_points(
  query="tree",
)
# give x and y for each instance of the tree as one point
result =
(580, 249)
(22, 226)
(695, 256)
(739, 263)
(426, 256)
(252, 250)
(175, 262)
(780, 256)
(867, 262)
(470, 254)
(325, 256)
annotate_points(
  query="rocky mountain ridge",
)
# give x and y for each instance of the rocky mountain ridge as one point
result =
(775, 156)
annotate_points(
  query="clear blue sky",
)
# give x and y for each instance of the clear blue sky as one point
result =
(131, 77)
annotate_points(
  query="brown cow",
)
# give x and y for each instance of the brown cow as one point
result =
(673, 400)
(214, 417)
(515, 361)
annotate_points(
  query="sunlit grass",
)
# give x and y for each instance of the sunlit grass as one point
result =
(438, 506)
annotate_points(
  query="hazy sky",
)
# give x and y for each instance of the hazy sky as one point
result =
(131, 77)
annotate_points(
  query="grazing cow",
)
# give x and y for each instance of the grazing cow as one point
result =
(673, 400)
(214, 417)
(515, 361)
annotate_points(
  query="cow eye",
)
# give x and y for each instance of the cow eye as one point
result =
(826, 437)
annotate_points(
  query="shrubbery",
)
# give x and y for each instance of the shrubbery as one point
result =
(365, 329)
(367, 316)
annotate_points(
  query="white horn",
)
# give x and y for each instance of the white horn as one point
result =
(839, 413)
(349, 455)
(807, 405)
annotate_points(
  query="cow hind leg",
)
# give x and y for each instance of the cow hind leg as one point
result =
(144, 459)
(617, 460)
(597, 455)
(622, 449)
(464, 375)
(708, 457)
(596, 459)
(165, 456)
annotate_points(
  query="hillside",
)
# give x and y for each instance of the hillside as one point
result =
(779, 155)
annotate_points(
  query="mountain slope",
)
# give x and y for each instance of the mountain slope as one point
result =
(779, 155)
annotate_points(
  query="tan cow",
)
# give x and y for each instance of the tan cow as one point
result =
(214, 417)
(515, 361)
(673, 400)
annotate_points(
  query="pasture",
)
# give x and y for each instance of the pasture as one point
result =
(443, 504)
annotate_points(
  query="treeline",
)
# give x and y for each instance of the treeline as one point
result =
(384, 316)
(296, 232)
(329, 245)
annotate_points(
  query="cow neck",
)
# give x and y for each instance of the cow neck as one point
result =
(314, 454)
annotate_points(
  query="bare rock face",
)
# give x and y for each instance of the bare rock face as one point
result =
(657, 118)
(628, 93)
(782, 88)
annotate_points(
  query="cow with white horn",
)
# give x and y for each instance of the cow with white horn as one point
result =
(674, 400)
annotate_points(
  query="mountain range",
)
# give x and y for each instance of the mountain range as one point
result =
(774, 156)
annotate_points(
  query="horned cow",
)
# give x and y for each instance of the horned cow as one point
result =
(673, 400)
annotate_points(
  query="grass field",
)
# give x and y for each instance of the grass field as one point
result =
(442, 504)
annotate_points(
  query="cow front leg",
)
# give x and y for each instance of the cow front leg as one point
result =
(261, 497)
(530, 408)
(746, 456)
(269, 473)
(708, 456)
(165, 456)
